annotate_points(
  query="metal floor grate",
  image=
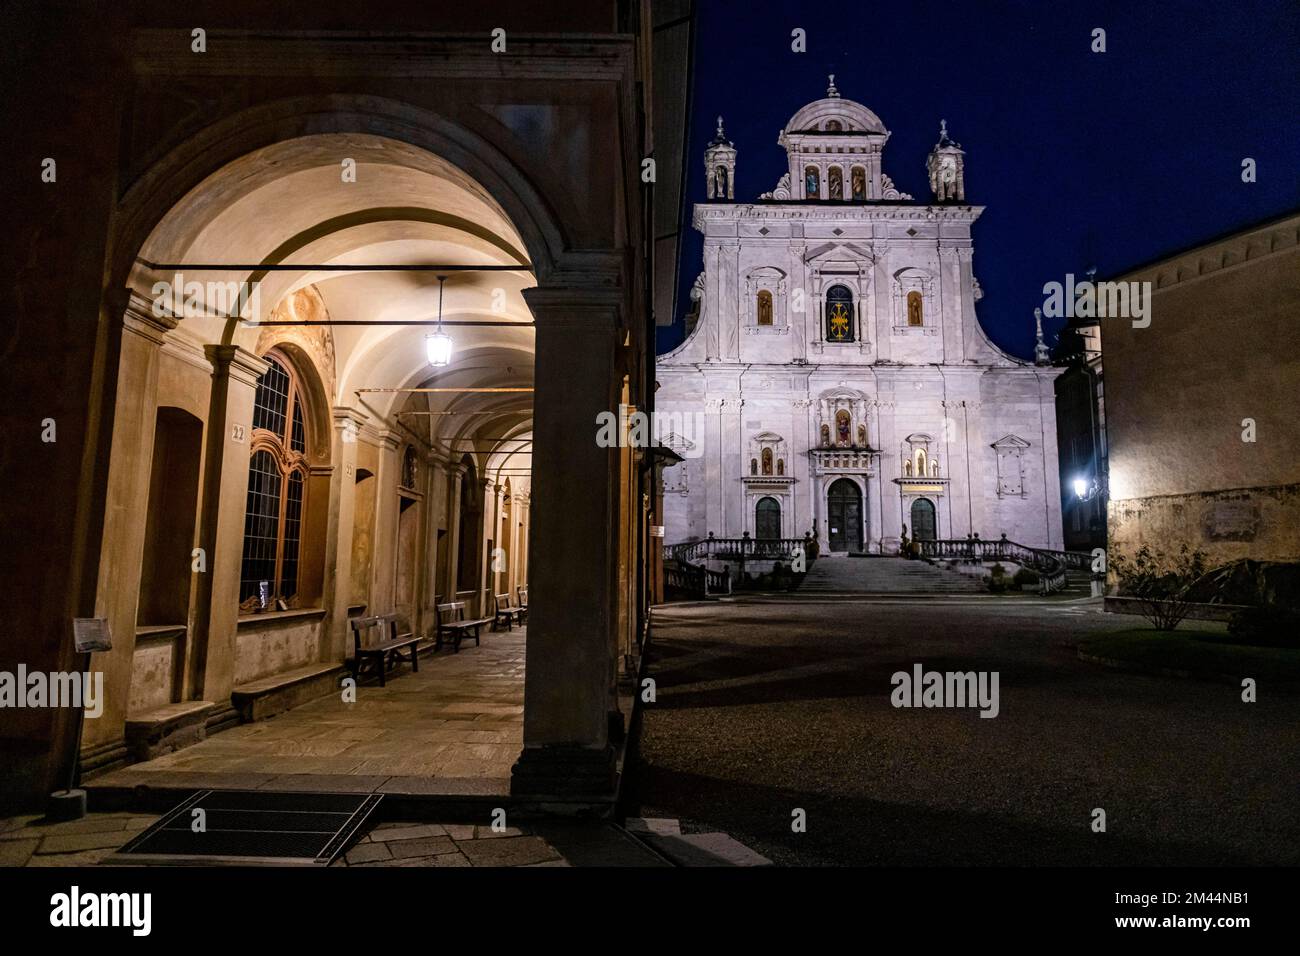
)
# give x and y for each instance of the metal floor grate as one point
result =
(253, 827)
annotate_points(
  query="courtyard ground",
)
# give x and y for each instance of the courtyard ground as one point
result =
(767, 706)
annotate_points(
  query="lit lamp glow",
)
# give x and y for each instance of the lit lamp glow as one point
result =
(437, 345)
(1081, 487)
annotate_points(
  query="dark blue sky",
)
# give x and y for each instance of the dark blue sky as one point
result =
(1081, 159)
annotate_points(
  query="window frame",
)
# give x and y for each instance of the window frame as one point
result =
(288, 462)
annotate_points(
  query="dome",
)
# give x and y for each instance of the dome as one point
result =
(834, 114)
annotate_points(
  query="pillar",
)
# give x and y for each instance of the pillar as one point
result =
(338, 539)
(127, 503)
(569, 684)
(235, 372)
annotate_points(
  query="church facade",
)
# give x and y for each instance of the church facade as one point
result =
(846, 386)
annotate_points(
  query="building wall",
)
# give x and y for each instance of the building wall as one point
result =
(1223, 346)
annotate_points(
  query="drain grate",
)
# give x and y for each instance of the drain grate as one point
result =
(253, 827)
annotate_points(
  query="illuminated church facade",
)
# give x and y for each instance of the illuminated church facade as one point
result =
(846, 385)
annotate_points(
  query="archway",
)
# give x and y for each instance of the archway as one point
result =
(844, 515)
(923, 520)
(767, 518)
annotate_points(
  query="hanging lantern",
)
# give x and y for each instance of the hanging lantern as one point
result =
(437, 345)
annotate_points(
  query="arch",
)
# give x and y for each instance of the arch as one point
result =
(844, 513)
(188, 165)
(839, 313)
(767, 518)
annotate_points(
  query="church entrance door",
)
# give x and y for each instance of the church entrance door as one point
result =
(844, 515)
(922, 520)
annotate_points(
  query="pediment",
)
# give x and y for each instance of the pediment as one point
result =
(848, 254)
(1010, 441)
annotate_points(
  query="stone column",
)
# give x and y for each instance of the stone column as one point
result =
(235, 372)
(338, 534)
(455, 475)
(126, 511)
(383, 562)
(569, 685)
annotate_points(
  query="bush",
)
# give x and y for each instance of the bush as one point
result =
(1161, 583)
(996, 580)
(1269, 626)
(1024, 576)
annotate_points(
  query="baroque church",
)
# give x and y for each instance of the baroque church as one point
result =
(846, 385)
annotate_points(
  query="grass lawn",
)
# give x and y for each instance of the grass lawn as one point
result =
(1190, 651)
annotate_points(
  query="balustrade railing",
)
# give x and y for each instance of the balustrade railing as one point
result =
(743, 548)
(1049, 563)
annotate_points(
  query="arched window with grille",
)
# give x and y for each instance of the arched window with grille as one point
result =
(839, 314)
(277, 484)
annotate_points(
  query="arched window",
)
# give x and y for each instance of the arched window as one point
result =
(858, 180)
(839, 314)
(277, 482)
(767, 461)
(915, 310)
(764, 307)
(812, 183)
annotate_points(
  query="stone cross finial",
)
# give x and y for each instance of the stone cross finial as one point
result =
(831, 90)
(720, 133)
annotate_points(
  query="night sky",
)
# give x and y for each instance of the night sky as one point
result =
(1080, 158)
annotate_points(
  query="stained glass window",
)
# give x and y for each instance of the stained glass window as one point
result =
(839, 314)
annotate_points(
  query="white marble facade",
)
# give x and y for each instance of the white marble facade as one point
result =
(845, 382)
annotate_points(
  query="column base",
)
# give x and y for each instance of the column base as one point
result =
(564, 773)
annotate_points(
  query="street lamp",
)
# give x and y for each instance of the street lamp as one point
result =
(437, 345)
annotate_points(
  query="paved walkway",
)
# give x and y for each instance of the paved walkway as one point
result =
(28, 841)
(770, 706)
(456, 727)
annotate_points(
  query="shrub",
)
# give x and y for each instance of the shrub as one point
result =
(1269, 626)
(1161, 583)
(1024, 576)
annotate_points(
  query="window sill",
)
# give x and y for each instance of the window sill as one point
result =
(251, 620)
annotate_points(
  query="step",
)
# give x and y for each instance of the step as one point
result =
(171, 727)
(268, 696)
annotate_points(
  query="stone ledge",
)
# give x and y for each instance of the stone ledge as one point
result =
(167, 728)
(268, 696)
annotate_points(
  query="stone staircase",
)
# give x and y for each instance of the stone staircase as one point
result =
(885, 575)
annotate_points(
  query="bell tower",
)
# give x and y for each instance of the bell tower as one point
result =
(720, 166)
(947, 168)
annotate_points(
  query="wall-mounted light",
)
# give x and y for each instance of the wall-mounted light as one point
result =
(1081, 487)
(438, 345)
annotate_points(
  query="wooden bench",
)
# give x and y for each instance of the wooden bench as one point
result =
(452, 626)
(504, 610)
(522, 605)
(377, 639)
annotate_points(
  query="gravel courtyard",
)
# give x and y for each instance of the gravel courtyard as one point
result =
(769, 705)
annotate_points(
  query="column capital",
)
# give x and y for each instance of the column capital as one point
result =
(389, 438)
(140, 318)
(237, 362)
(592, 308)
(343, 414)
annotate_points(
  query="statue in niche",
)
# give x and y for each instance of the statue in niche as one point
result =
(862, 436)
(858, 180)
(842, 427)
(764, 307)
(753, 466)
(914, 314)
(722, 182)
(826, 436)
(780, 467)
(767, 461)
(835, 182)
(812, 183)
